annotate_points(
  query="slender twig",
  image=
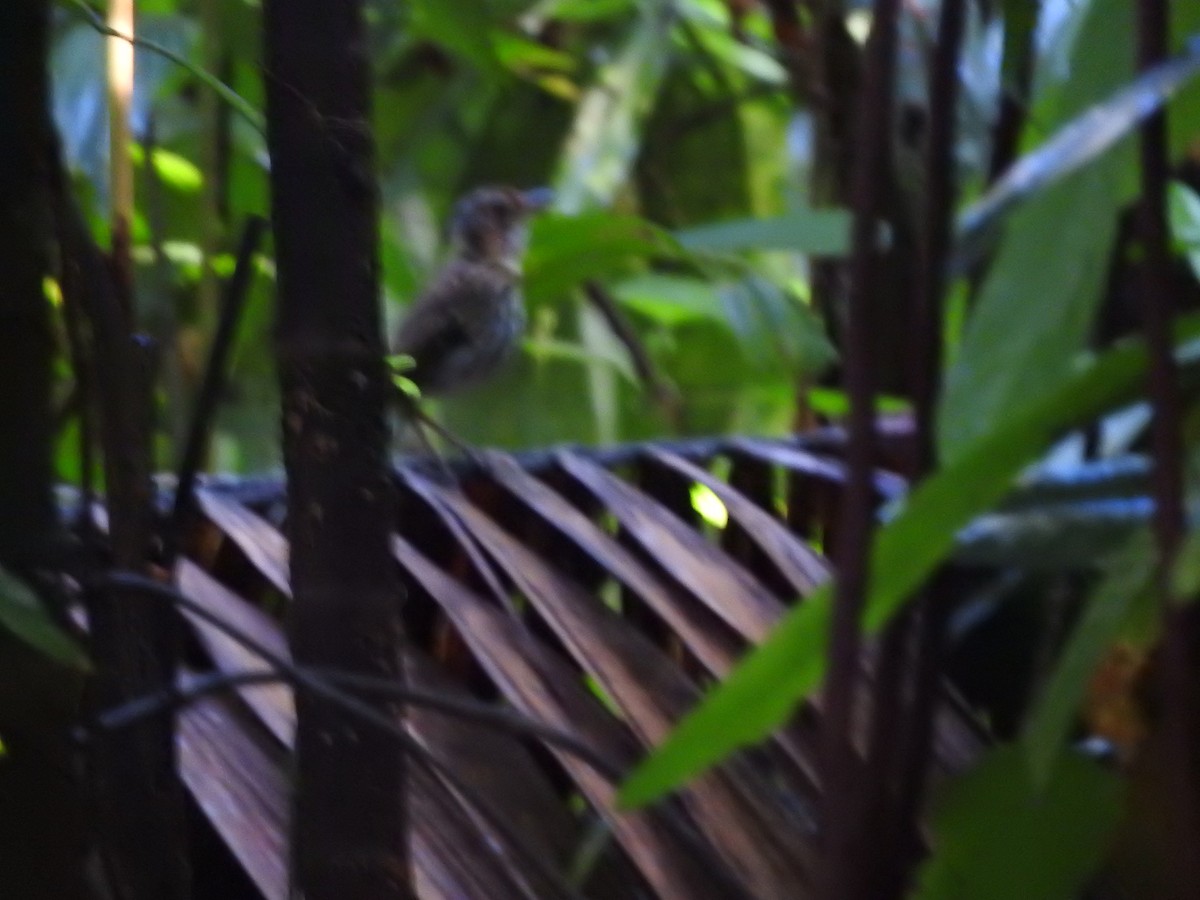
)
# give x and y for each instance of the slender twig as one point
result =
(926, 623)
(484, 714)
(226, 93)
(664, 395)
(841, 763)
(232, 304)
(1180, 723)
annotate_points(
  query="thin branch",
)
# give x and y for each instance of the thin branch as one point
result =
(483, 714)
(844, 874)
(226, 93)
(232, 303)
(926, 624)
(1180, 719)
(666, 397)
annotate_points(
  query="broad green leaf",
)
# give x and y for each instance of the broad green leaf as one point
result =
(1090, 123)
(671, 299)
(565, 251)
(1035, 311)
(818, 232)
(758, 695)
(776, 330)
(1128, 573)
(22, 614)
(996, 836)
(693, 166)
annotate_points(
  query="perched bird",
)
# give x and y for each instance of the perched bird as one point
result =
(469, 320)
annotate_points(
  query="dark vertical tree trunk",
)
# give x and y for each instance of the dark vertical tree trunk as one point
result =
(136, 794)
(349, 828)
(42, 842)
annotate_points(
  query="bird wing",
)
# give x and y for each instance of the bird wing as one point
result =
(448, 318)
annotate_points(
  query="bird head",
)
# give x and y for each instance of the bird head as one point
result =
(490, 223)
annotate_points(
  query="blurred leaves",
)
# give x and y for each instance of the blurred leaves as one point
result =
(1035, 310)
(818, 232)
(1127, 578)
(1184, 213)
(763, 690)
(996, 835)
(22, 613)
(565, 251)
(606, 135)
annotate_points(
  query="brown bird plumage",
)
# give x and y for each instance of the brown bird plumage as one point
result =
(469, 320)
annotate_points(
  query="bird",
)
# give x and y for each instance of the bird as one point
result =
(470, 318)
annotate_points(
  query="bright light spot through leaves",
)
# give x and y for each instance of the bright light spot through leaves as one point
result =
(709, 506)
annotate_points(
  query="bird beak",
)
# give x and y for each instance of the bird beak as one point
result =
(537, 199)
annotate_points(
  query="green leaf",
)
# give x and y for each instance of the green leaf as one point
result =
(1129, 572)
(464, 28)
(175, 170)
(1036, 308)
(21, 613)
(776, 330)
(818, 232)
(586, 10)
(763, 690)
(1184, 211)
(835, 404)
(565, 251)
(671, 299)
(996, 836)
(1096, 109)
(606, 134)
(545, 349)
(1185, 579)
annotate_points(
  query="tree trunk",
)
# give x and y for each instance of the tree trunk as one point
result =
(42, 835)
(349, 835)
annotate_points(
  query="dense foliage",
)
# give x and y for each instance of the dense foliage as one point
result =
(689, 281)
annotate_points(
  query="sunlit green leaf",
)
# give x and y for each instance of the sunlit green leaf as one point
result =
(585, 10)
(835, 404)
(671, 299)
(709, 506)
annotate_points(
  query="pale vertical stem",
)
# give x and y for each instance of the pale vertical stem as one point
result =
(120, 99)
